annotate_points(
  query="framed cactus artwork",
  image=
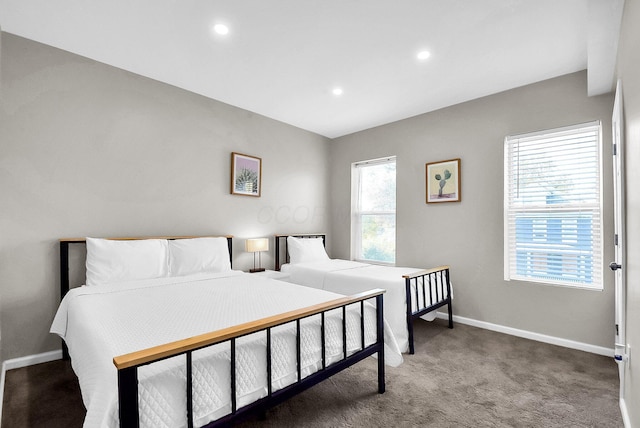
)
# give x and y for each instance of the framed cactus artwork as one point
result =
(246, 175)
(443, 181)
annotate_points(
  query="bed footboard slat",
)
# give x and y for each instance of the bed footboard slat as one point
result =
(233, 375)
(362, 323)
(344, 332)
(269, 368)
(324, 345)
(189, 390)
(298, 351)
(430, 290)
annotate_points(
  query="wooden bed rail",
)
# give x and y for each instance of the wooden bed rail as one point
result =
(128, 364)
(138, 238)
(426, 271)
(168, 350)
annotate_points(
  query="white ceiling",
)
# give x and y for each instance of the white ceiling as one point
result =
(282, 58)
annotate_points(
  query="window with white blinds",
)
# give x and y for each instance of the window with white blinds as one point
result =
(553, 207)
(373, 210)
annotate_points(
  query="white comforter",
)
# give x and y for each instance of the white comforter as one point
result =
(349, 277)
(104, 321)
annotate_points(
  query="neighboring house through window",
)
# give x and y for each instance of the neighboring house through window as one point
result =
(553, 207)
(373, 202)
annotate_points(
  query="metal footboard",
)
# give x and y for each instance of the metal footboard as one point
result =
(128, 365)
(427, 291)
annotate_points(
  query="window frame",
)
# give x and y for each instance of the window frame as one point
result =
(357, 214)
(554, 212)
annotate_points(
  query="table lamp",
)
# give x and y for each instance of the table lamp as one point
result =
(256, 245)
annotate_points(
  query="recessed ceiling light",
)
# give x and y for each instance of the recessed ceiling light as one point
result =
(337, 91)
(221, 29)
(423, 55)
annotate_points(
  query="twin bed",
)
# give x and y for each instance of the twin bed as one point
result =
(165, 333)
(410, 292)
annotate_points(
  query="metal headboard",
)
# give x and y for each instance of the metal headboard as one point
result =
(64, 262)
(286, 246)
(64, 253)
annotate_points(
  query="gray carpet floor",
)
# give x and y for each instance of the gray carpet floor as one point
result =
(465, 377)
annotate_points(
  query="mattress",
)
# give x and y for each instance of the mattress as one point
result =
(100, 322)
(350, 277)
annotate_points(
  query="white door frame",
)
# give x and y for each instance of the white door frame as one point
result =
(618, 265)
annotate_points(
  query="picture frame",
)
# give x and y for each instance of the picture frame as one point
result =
(443, 181)
(246, 175)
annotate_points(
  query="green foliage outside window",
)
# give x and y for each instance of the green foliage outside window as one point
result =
(379, 238)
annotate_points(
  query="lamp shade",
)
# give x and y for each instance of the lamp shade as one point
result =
(255, 245)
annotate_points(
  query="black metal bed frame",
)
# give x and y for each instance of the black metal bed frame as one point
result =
(437, 281)
(127, 365)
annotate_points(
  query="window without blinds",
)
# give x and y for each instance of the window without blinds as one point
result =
(553, 209)
(373, 203)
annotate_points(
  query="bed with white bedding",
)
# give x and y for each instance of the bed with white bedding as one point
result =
(424, 290)
(103, 323)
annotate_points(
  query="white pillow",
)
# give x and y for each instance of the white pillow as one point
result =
(188, 256)
(304, 250)
(116, 261)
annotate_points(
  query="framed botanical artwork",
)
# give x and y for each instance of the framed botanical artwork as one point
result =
(246, 175)
(443, 181)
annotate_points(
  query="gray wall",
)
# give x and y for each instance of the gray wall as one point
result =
(90, 150)
(629, 73)
(469, 235)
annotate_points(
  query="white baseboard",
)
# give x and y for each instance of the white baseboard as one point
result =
(600, 350)
(625, 413)
(29, 360)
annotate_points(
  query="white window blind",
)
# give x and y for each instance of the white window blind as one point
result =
(553, 207)
(373, 201)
